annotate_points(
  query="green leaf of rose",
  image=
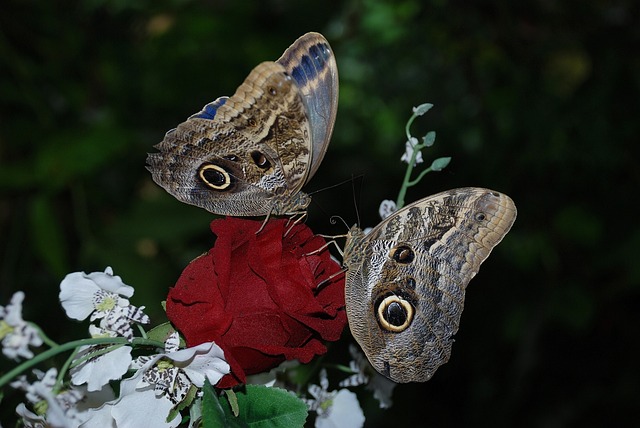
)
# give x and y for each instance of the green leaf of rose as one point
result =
(260, 407)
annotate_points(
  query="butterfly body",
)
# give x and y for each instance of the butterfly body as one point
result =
(250, 154)
(406, 279)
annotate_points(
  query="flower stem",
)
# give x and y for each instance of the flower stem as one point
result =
(427, 141)
(418, 178)
(63, 370)
(406, 183)
(72, 345)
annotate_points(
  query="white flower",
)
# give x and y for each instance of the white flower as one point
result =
(98, 368)
(344, 412)
(365, 374)
(65, 409)
(103, 296)
(335, 409)
(16, 334)
(205, 360)
(161, 382)
(41, 390)
(387, 208)
(409, 149)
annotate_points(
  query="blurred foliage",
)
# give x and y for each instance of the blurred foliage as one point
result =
(536, 99)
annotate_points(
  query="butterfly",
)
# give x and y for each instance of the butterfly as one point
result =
(406, 279)
(250, 154)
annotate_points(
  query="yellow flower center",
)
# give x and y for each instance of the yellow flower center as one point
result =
(107, 303)
(164, 364)
(5, 329)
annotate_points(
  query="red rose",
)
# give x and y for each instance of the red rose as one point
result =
(256, 296)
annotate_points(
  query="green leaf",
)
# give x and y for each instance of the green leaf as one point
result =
(260, 407)
(161, 332)
(440, 163)
(213, 415)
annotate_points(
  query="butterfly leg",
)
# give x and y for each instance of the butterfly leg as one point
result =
(326, 244)
(291, 223)
(330, 278)
(264, 223)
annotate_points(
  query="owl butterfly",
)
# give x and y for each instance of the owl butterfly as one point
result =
(251, 153)
(406, 279)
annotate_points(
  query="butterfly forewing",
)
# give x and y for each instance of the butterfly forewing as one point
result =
(406, 279)
(311, 63)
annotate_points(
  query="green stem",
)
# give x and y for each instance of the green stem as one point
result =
(408, 125)
(63, 370)
(418, 178)
(406, 182)
(72, 345)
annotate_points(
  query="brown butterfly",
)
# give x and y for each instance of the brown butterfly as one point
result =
(406, 278)
(251, 153)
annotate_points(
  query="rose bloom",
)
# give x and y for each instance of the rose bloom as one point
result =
(257, 296)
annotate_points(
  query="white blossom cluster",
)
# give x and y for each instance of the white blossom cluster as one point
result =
(148, 397)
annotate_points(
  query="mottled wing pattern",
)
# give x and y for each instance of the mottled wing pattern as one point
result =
(246, 155)
(406, 279)
(311, 63)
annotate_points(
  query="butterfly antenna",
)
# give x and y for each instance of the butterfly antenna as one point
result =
(355, 200)
(334, 220)
(334, 185)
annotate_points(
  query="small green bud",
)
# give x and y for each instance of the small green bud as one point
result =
(422, 109)
(429, 139)
(440, 164)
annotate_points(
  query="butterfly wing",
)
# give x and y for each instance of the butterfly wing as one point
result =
(247, 155)
(311, 63)
(406, 279)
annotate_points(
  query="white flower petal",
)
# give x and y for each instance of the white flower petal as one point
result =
(345, 412)
(76, 295)
(97, 372)
(137, 408)
(204, 360)
(12, 314)
(95, 332)
(100, 417)
(110, 282)
(134, 408)
(387, 208)
(29, 419)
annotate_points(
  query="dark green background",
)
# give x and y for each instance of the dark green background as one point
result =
(538, 100)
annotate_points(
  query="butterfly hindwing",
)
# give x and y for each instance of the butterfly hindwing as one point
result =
(406, 279)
